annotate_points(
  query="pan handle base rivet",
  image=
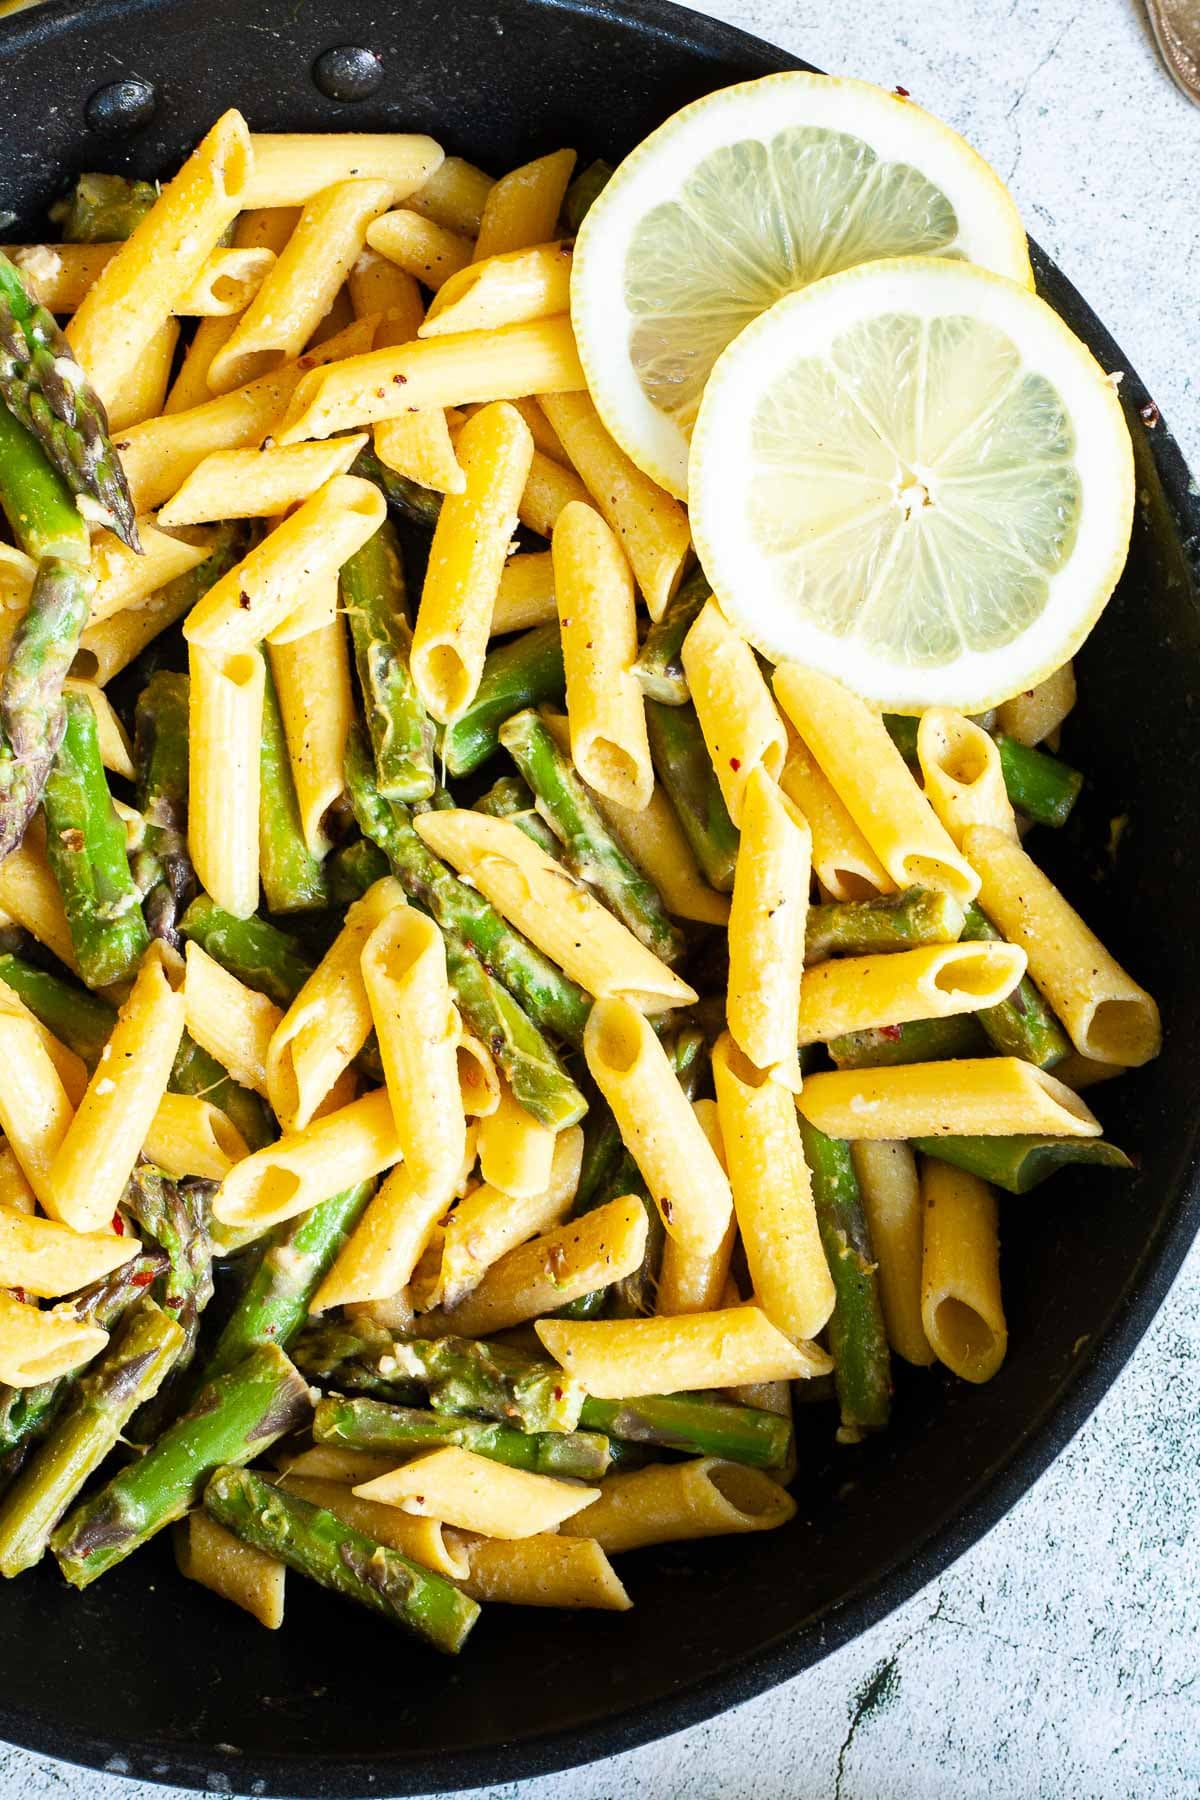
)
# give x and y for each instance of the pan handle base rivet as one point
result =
(122, 106)
(348, 72)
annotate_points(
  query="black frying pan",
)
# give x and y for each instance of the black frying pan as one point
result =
(153, 1677)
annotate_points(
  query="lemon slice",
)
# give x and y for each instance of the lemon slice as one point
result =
(915, 477)
(746, 195)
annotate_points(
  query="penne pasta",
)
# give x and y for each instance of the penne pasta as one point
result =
(385, 1246)
(227, 283)
(843, 861)
(546, 1570)
(515, 1151)
(124, 578)
(525, 596)
(188, 1135)
(233, 1022)
(115, 749)
(315, 612)
(670, 1503)
(522, 208)
(316, 701)
(332, 1463)
(38, 1346)
(1031, 717)
(891, 1197)
(691, 1282)
(333, 1153)
(142, 393)
(508, 289)
(42, 1257)
(422, 1539)
(418, 446)
(225, 711)
(993, 1096)
(549, 490)
(258, 483)
(208, 1554)
(478, 1081)
(477, 1494)
(961, 1307)
(766, 929)
(489, 1222)
(861, 993)
(454, 196)
(964, 782)
(35, 1109)
(59, 276)
(376, 285)
(190, 386)
(15, 1191)
(291, 167)
(422, 249)
(739, 719)
(621, 1358)
(70, 1069)
(30, 895)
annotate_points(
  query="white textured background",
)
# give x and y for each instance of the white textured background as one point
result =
(1060, 1657)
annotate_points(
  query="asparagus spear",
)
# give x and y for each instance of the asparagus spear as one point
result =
(291, 1266)
(419, 505)
(293, 879)
(399, 728)
(659, 666)
(857, 1340)
(510, 798)
(523, 672)
(162, 867)
(586, 188)
(890, 922)
(232, 1420)
(267, 959)
(920, 1040)
(696, 1425)
(45, 388)
(310, 1540)
(176, 1215)
(589, 849)
(362, 1424)
(79, 1019)
(103, 209)
(1039, 785)
(130, 1372)
(196, 1072)
(902, 729)
(1022, 1024)
(1018, 1164)
(685, 769)
(534, 1071)
(85, 844)
(355, 868)
(459, 1375)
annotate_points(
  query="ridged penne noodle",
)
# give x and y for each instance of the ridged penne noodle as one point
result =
(225, 709)
(332, 1463)
(403, 964)
(35, 1109)
(231, 1021)
(669, 1503)
(59, 276)
(1030, 717)
(15, 1191)
(419, 247)
(135, 293)
(38, 1346)
(454, 196)
(208, 1554)
(142, 393)
(227, 283)
(188, 1135)
(385, 1246)
(258, 483)
(522, 208)
(993, 1096)
(70, 1069)
(489, 1222)
(507, 289)
(115, 749)
(290, 167)
(526, 593)
(861, 993)
(96, 1157)
(766, 929)
(515, 1151)
(317, 611)
(105, 649)
(961, 1306)
(190, 386)
(124, 578)
(329, 1021)
(621, 1358)
(466, 558)
(476, 1494)
(335, 1152)
(843, 861)
(739, 719)
(478, 1081)
(891, 1197)
(549, 489)
(1080, 1072)
(1108, 1017)
(421, 1539)
(652, 526)
(30, 895)
(851, 745)
(44, 1258)
(260, 591)
(964, 782)
(418, 446)
(690, 1282)
(593, 585)
(547, 1570)
(316, 701)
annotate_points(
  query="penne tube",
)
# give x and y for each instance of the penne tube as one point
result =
(301, 288)
(1080, 1072)
(477, 1494)
(454, 196)
(42, 1257)
(403, 971)
(549, 490)
(525, 597)
(658, 1127)
(70, 1069)
(233, 1022)
(538, 358)
(651, 526)
(103, 1141)
(515, 1151)
(15, 1191)
(30, 895)
(59, 275)
(124, 578)
(851, 745)
(964, 782)
(560, 916)
(225, 711)
(208, 1554)
(227, 283)
(766, 929)
(35, 1109)
(961, 1307)
(503, 290)
(489, 1222)
(546, 1570)
(258, 483)
(422, 249)
(891, 1197)
(544, 436)
(522, 208)
(190, 386)
(38, 1346)
(142, 393)
(421, 1539)
(116, 752)
(597, 616)
(291, 167)
(188, 1135)
(376, 285)
(134, 294)
(669, 1503)
(1032, 716)
(621, 1358)
(418, 446)
(862, 993)
(329, 1021)
(1108, 1017)
(689, 1282)
(315, 612)
(478, 1081)
(260, 591)
(995, 1096)
(740, 721)
(551, 1270)
(333, 1153)
(385, 1246)
(843, 861)
(470, 544)
(316, 702)
(332, 1462)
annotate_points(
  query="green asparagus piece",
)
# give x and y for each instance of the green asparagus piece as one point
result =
(586, 188)
(399, 728)
(685, 769)
(857, 1340)
(902, 729)
(310, 1540)
(85, 844)
(589, 849)
(659, 666)
(695, 1424)
(1018, 1164)
(363, 1424)
(292, 1264)
(355, 868)
(293, 879)
(892, 922)
(919, 1040)
(533, 1069)
(175, 1214)
(33, 717)
(45, 388)
(232, 1420)
(1021, 1025)
(419, 505)
(1039, 785)
(525, 671)
(459, 1375)
(38, 504)
(130, 1372)
(267, 959)
(510, 798)
(103, 209)
(162, 867)
(79, 1019)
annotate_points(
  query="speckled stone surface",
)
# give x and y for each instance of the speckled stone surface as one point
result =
(1061, 1656)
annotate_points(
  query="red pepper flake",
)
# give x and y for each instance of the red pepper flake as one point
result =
(118, 1224)
(901, 92)
(558, 1393)
(891, 1032)
(244, 600)
(304, 362)
(735, 763)
(400, 380)
(1150, 414)
(667, 1209)
(143, 1278)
